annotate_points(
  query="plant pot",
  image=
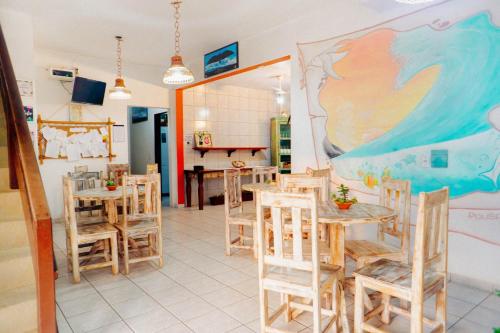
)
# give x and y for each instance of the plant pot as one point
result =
(111, 187)
(343, 205)
(216, 200)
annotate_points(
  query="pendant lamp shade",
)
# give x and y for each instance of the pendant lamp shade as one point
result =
(119, 91)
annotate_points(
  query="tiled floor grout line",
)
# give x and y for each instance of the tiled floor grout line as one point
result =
(468, 312)
(64, 316)
(110, 305)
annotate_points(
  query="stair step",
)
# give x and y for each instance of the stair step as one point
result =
(4, 179)
(3, 157)
(11, 208)
(18, 310)
(13, 234)
(16, 266)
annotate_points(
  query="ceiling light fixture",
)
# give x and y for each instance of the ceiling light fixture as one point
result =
(177, 73)
(119, 91)
(413, 2)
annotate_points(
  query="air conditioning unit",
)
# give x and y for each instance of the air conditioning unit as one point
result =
(62, 74)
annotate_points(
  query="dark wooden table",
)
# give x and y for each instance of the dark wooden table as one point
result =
(200, 176)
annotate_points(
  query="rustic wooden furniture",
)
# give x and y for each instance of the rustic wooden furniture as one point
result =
(85, 234)
(109, 198)
(318, 172)
(116, 171)
(81, 168)
(234, 215)
(229, 150)
(152, 168)
(75, 127)
(141, 220)
(293, 269)
(84, 180)
(24, 175)
(426, 277)
(264, 174)
(200, 176)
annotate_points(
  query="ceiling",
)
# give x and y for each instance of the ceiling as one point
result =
(87, 27)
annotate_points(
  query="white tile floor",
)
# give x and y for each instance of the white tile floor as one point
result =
(199, 289)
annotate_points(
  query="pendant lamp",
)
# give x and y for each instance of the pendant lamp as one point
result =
(177, 73)
(119, 91)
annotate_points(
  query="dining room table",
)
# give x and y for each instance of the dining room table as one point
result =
(338, 219)
(109, 198)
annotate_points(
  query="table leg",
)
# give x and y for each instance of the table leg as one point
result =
(188, 190)
(112, 211)
(337, 238)
(200, 191)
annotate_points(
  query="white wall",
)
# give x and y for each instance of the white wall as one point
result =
(142, 141)
(469, 258)
(52, 102)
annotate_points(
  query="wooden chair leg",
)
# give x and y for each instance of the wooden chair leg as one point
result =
(441, 300)
(75, 262)
(228, 239)
(114, 253)
(358, 306)
(288, 312)
(106, 249)
(343, 310)
(159, 244)
(386, 313)
(254, 240)
(316, 312)
(242, 234)
(125, 254)
(151, 242)
(264, 310)
(417, 318)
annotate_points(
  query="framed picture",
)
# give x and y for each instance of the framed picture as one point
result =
(28, 111)
(221, 60)
(139, 114)
(202, 139)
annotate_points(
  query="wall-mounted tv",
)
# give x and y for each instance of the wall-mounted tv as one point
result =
(87, 91)
(222, 60)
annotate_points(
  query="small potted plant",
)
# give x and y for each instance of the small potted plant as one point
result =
(342, 200)
(110, 185)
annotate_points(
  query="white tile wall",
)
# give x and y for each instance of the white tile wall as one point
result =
(236, 117)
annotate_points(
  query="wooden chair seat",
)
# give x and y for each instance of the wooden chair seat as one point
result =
(95, 229)
(361, 249)
(139, 225)
(244, 218)
(399, 274)
(140, 217)
(298, 277)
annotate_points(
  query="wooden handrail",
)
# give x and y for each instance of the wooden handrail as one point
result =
(25, 176)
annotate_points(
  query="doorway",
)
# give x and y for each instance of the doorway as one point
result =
(148, 144)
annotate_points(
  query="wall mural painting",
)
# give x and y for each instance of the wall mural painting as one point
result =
(419, 103)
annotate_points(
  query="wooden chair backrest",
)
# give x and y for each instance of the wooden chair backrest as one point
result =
(431, 237)
(298, 204)
(318, 172)
(70, 222)
(232, 191)
(144, 187)
(81, 168)
(152, 168)
(115, 172)
(305, 182)
(262, 174)
(85, 180)
(396, 194)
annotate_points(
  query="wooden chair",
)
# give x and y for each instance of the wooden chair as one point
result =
(318, 172)
(84, 180)
(141, 222)
(262, 174)
(294, 269)
(234, 215)
(85, 234)
(152, 168)
(81, 168)
(395, 194)
(426, 277)
(115, 172)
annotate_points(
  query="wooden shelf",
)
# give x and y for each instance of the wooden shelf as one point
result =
(229, 150)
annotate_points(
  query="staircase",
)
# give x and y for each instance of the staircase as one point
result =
(18, 304)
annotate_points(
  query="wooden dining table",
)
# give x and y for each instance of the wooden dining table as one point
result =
(338, 219)
(109, 198)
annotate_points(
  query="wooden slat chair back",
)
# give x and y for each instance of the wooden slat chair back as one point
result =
(81, 168)
(293, 268)
(152, 168)
(425, 278)
(318, 184)
(84, 180)
(261, 175)
(140, 226)
(318, 172)
(234, 215)
(85, 234)
(115, 172)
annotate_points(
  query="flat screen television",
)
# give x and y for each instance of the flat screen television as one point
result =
(87, 91)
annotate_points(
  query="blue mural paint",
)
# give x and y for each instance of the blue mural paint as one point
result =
(450, 116)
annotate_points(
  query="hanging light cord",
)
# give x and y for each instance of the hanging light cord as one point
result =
(119, 56)
(177, 15)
